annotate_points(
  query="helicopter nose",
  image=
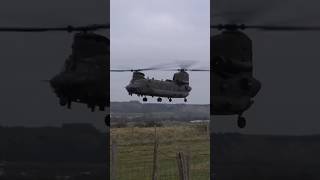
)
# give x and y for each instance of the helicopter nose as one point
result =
(60, 81)
(55, 81)
(131, 88)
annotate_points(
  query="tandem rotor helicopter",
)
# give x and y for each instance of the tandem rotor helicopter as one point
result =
(233, 85)
(177, 87)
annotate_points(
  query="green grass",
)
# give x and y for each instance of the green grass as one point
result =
(135, 151)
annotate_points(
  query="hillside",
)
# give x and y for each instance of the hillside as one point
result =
(134, 111)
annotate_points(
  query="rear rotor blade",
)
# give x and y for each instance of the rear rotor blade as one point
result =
(185, 64)
(181, 64)
(265, 27)
(235, 11)
(194, 70)
(199, 70)
(285, 28)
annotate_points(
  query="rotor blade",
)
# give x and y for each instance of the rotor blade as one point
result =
(132, 70)
(183, 64)
(285, 28)
(93, 27)
(194, 70)
(235, 11)
(199, 70)
(266, 27)
(154, 67)
(120, 70)
(146, 69)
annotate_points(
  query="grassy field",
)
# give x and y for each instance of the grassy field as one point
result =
(135, 148)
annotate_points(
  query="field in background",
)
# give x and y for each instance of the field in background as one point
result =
(135, 151)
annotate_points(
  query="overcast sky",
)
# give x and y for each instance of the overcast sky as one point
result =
(145, 33)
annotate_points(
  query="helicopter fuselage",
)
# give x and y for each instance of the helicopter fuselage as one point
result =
(81, 88)
(84, 76)
(176, 88)
(159, 88)
(233, 86)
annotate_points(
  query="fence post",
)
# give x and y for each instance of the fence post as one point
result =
(188, 157)
(183, 166)
(114, 160)
(107, 122)
(155, 156)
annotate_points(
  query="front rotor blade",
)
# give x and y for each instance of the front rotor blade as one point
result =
(154, 67)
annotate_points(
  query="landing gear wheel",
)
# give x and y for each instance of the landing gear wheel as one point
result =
(145, 99)
(185, 100)
(93, 108)
(159, 99)
(63, 101)
(170, 99)
(241, 122)
(69, 104)
(102, 108)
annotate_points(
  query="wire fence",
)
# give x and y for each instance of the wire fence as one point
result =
(136, 161)
(167, 170)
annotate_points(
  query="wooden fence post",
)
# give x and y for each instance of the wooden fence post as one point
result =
(183, 166)
(107, 122)
(114, 160)
(155, 156)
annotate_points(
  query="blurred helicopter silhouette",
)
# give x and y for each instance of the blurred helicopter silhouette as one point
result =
(233, 86)
(85, 74)
(84, 77)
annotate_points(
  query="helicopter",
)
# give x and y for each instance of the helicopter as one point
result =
(84, 77)
(233, 85)
(177, 87)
